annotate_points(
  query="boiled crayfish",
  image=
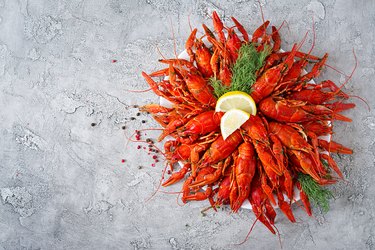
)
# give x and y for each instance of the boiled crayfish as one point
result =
(263, 160)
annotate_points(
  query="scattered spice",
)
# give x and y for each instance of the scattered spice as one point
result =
(123, 127)
(137, 135)
(114, 60)
(143, 121)
(123, 160)
(93, 124)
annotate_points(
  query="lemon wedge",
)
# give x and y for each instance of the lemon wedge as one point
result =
(232, 120)
(236, 100)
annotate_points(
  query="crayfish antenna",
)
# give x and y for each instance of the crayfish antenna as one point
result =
(160, 182)
(348, 79)
(313, 41)
(170, 192)
(191, 27)
(351, 74)
(160, 53)
(248, 234)
(203, 211)
(335, 69)
(177, 200)
(281, 25)
(251, 229)
(279, 236)
(174, 39)
(339, 71)
(302, 41)
(261, 11)
(138, 91)
(314, 36)
(362, 99)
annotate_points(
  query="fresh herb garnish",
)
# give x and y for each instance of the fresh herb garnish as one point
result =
(219, 88)
(244, 70)
(316, 193)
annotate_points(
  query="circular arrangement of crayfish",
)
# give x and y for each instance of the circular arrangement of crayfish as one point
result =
(276, 154)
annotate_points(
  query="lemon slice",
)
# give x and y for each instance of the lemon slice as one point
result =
(236, 100)
(232, 120)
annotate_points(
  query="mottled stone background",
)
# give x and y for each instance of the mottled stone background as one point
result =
(64, 103)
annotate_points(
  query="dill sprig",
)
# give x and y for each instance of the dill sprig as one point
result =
(316, 193)
(244, 70)
(248, 62)
(219, 88)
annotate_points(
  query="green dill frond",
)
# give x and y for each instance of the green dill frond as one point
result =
(219, 88)
(316, 193)
(249, 61)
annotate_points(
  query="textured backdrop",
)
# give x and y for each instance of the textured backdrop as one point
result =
(65, 68)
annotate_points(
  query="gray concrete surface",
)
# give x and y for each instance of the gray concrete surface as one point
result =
(63, 184)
